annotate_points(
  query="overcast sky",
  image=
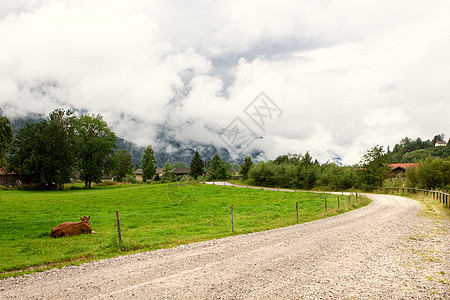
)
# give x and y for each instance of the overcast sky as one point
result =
(339, 77)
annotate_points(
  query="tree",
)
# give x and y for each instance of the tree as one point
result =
(217, 169)
(373, 168)
(234, 167)
(45, 151)
(149, 163)
(178, 164)
(167, 174)
(123, 165)
(288, 158)
(25, 157)
(434, 173)
(246, 167)
(263, 174)
(96, 143)
(6, 138)
(197, 166)
(335, 177)
(307, 172)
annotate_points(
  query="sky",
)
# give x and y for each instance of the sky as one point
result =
(334, 78)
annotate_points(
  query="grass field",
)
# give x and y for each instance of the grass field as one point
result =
(151, 217)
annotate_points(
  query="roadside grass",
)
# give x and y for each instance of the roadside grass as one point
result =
(151, 217)
(431, 208)
(423, 243)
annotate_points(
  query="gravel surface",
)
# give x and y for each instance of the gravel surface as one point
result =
(385, 250)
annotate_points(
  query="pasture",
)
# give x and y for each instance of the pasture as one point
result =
(151, 217)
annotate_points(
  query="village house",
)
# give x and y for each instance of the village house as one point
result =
(7, 178)
(139, 173)
(440, 144)
(400, 169)
(180, 172)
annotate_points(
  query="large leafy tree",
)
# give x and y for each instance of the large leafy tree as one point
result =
(96, 143)
(373, 168)
(6, 137)
(45, 151)
(246, 167)
(149, 163)
(217, 168)
(434, 173)
(263, 174)
(197, 166)
(26, 156)
(123, 165)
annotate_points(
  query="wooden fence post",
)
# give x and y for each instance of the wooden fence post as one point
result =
(118, 226)
(326, 208)
(296, 208)
(338, 203)
(232, 218)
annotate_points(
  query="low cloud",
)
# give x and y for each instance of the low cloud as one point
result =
(347, 75)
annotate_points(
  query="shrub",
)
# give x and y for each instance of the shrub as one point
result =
(106, 183)
(130, 179)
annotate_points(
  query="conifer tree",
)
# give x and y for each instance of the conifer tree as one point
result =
(6, 137)
(216, 168)
(148, 163)
(246, 167)
(197, 166)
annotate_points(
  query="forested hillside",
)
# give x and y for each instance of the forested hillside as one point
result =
(412, 151)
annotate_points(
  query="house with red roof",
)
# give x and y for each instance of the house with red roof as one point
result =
(400, 169)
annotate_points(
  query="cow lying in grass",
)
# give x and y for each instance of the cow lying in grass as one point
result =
(72, 228)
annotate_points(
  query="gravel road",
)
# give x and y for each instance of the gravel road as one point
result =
(382, 251)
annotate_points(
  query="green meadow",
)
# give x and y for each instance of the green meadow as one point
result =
(151, 217)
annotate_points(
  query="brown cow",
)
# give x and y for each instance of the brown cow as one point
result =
(72, 228)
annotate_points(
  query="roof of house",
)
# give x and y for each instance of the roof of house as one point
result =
(440, 143)
(4, 171)
(138, 172)
(159, 170)
(403, 166)
(181, 170)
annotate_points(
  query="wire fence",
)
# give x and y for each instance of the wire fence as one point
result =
(436, 195)
(40, 226)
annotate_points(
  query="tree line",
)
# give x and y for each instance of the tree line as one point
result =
(413, 151)
(299, 171)
(48, 153)
(302, 172)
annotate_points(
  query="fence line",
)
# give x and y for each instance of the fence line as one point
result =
(437, 195)
(171, 211)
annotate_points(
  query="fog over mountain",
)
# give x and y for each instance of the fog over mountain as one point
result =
(338, 77)
(166, 148)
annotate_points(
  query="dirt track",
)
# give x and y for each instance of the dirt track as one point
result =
(382, 251)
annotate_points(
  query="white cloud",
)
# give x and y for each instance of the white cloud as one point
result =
(347, 74)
